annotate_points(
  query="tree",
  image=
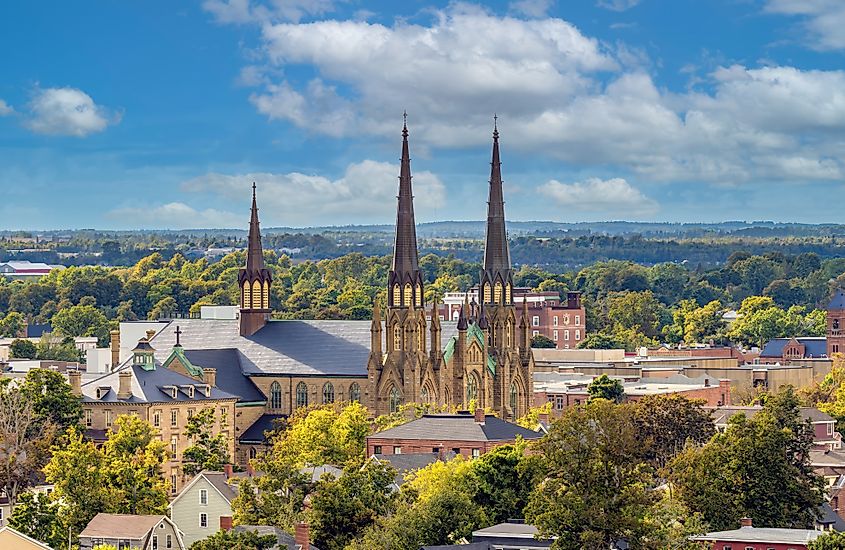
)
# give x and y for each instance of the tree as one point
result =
(540, 341)
(207, 451)
(275, 498)
(22, 349)
(52, 399)
(596, 488)
(36, 515)
(532, 418)
(601, 340)
(327, 434)
(51, 348)
(758, 468)
(342, 508)
(19, 444)
(831, 540)
(13, 325)
(669, 422)
(639, 311)
(82, 320)
(232, 540)
(605, 387)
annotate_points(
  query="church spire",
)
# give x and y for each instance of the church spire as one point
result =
(254, 251)
(496, 279)
(254, 279)
(405, 279)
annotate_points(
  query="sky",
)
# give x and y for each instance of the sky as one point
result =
(161, 114)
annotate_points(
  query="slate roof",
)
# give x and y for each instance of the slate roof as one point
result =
(457, 427)
(470, 546)
(230, 375)
(284, 540)
(838, 300)
(120, 526)
(721, 415)
(255, 433)
(815, 346)
(302, 348)
(148, 387)
(219, 481)
(762, 534)
(410, 462)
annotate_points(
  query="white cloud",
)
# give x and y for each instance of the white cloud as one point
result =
(617, 5)
(174, 215)
(5, 108)
(614, 196)
(363, 194)
(250, 11)
(67, 111)
(531, 8)
(823, 20)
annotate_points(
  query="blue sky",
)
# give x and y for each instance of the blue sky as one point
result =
(160, 114)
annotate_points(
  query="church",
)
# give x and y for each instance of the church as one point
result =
(405, 354)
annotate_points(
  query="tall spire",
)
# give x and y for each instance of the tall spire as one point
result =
(254, 279)
(254, 253)
(405, 269)
(497, 258)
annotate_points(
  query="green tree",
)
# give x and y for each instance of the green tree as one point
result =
(597, 488)
(37, 516)
(601, 340)
(232, 540)
(207, 451)
(52, 400)
(638, 311)
(605, 387)
(274, 498)
(828, 541)
(82, 320)
(22, 349)
(540, 341)
(669, 422)
(13, 325)
(327, 434)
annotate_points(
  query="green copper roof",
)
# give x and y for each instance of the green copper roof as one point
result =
(473, 333)
(178, 352)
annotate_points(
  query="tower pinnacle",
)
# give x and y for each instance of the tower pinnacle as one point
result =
(496, 279)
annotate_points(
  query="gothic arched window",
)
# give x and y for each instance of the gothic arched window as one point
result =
(418, 297)
(836, 324)
(497, 293)
(397, 337)
(396, 295)
(328, 393)
(256, 294)
(265, 295)
(395, 400)
(301, 395)
(424, 395)
(514, 399)
(421, 338)
(472, 388)
(355, 392)
(509, 334)
(487, 294)
(246, 301)
(508, 295)
(406, 299)
(275, 395)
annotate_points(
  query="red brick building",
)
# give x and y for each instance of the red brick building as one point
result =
(748, 537)
(463, 433)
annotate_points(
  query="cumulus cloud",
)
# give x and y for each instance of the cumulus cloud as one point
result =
(363, 194)
(531, 8)
(174, 215)
(823, 20)
(67, 111)
(250, 11)
(5, 108)
(613, 196)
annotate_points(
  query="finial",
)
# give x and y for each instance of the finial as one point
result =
(178, 334)
(495, 126)
(405, 124)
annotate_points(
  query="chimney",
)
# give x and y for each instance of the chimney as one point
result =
(301, 536)
(115, 348)
(745, 522)
(227, 469)
(225, 523)
(543, 417)
(479, 415)
(209, 376)
(75, 378)
(125, 386)
(150, 334)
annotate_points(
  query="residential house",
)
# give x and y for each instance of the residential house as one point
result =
(204, 506)
(504, 536)
(126, 531)
(824, 426)
(748, 537)
(405, 464)
(13, 540)
(300, 541)
(463, 433)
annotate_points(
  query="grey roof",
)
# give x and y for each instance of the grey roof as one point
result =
(284, 540)
(255, 433)
(827, 457)
(815, 346)
(301, 348)
(411, 462)
(316, 473)
(507, 529)
(764, 534)
(721, 415)
(148, 386)
(458, 427)
(470, 546)
(230, 374)
(220, 482)
(838, 300)
(829, 517)
(129, 526)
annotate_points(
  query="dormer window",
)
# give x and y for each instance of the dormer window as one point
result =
(189, 391)
(102, 391)
(206, 389)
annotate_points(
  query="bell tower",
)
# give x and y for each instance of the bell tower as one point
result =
(254, 280)
(836, 324)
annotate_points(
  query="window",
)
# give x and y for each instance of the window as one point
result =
(476, 453)
(554, 335)
(247, 298)
(397, 450)
(256, 294)
(535, 332)
(394, 399)
(252, 453)
(560, 402)
(397, 337)
(172, 484)
(472, 388)
(418, 297)
(156, 418)
(577, 320)
(204, 497)
(328, 393)
(174, 418)
(535, 321)
(168, 541)
(354, 392)
(123, 544)
(835, 348)
(377, 450)
(497, 293)
(487, 294)
(566, 335)
(566, 319)
(174, 441)
(301, 395)
(508, 294)
(829, 428)
(577, 334)
(190, 413)
(424, 397)
(406, 295)
(514, 399)
(155, 542)
(108, 419)
(89, 417)
(554, 320)
(275, 395)
(203, 520)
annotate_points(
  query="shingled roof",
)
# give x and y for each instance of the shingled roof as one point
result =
(814, 346)
(149, 386)
(458, 427)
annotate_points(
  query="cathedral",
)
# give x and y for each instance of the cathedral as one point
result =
(487, 361)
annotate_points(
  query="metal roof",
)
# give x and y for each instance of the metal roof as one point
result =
(814, 346)
(762, 534)
(149, 386)
(458, 427)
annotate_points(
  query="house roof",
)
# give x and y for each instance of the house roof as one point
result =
(230, 372)
(149, 386)
(458, 427)
(31, 542)
(305, 348)
(762, 534)
(827, 457)
(470, 546)
(284, 540)
(838, 300)
(255, 433)
(121, 526)
(217, 480)
(410, 462)
(316, 473)
(814, 346)
(721, 415)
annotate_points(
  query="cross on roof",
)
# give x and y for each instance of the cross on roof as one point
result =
(178, 334)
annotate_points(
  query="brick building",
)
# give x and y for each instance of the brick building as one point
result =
(467, 434)
(749, 537)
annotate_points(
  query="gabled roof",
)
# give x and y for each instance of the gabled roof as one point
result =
(283, 539)
(28, 542)
(721, 415)
(474, 334)
(838, 300)
(218, 482)
(410, 462)
(458, 427)
(230, 374)
(121, 526)
(762, 534)
(150, 386)
(814, 346)
(255, 433)
(305, 348)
